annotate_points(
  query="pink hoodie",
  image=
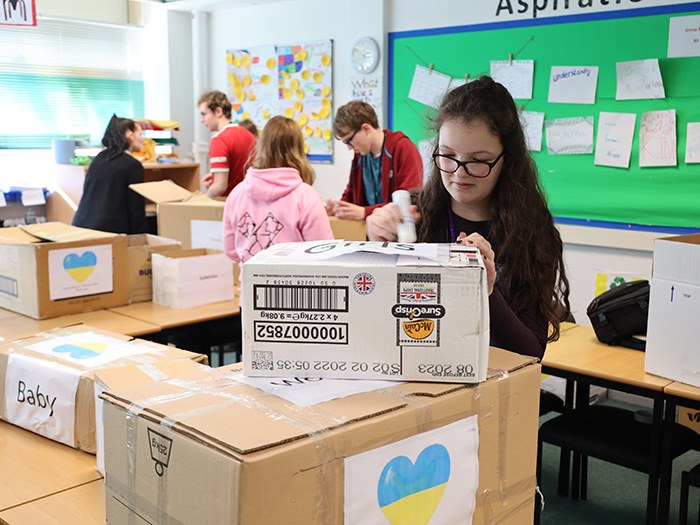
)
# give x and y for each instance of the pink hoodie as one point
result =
(272, 206)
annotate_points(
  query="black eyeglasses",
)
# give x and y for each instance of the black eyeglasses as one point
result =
(479, 169)
(348, 141)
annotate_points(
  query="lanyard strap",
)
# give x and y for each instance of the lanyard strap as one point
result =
(451, 220)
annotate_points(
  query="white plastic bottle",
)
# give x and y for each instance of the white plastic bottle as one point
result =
(406, 229)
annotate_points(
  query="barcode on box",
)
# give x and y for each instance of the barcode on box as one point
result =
(262, 361)
(307, 298)
(8, 286)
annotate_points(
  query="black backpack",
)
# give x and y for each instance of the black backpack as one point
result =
(621, 313)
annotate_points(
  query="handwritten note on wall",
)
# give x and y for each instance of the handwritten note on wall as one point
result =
(657, 139)
(569, 136)
(684, 36)
(515, 75)
(428, 86)
(614, 143)
(639, 79)
(532, 126)
(692, 143)
(573, 84)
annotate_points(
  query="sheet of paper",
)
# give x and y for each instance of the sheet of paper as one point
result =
(322, 250)
(368, 88)
(515, 75)
(573, 84)
(692, 143)
(3, 202)
(456, 82)
(639, 79)
(426, 149)
(684, 36)
(428, 87)
(33, 197)
(207, 234)
(532, 122)
(306, 391)
(569, 136)
(614, 144)
(430, 477)
(657, 139)
(40, 396)
(75, 272)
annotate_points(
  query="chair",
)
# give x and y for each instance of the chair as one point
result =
(614, 435)
(688, 478)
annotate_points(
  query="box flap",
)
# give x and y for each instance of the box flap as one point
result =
(49, 231)
(148, 241)
(206, 409)
(161, 191)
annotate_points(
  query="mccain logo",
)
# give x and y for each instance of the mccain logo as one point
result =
(411, 311)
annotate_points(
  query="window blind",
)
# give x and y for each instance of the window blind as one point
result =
(64, 79)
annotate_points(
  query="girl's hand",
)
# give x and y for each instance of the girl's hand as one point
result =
(382, 223)
(486, 253)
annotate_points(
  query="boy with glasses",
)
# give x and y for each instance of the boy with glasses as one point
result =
(384, 161)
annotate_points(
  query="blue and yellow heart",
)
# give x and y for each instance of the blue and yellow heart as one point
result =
(408, 494)
(82, 350)
(80, 267)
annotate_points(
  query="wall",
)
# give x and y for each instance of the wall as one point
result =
(110, 11)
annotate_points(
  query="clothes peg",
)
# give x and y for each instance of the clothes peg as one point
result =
(510, 59)
(466, 76)
(520, 108)
(430, 69)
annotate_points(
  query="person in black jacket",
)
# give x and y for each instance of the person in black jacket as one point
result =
(108, 204)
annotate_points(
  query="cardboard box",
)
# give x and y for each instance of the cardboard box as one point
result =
(141, 247)
(673, 330)
(48, 384)
(366, 310)
(187, 278)
(348, 230)
(220, 451)
(191, 218)
(53, 269)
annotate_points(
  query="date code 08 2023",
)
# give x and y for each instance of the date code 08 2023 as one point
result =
(281, 332)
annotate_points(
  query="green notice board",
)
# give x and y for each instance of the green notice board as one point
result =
(576, 188)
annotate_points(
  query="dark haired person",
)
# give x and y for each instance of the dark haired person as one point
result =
(384, 161)
(484, 191)
(231, 147)
(108, 204)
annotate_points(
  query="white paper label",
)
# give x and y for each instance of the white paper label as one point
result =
(207, 234)
(427, 478)
(40, 396)
(74, 272)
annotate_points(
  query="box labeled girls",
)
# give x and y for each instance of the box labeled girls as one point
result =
(366, 310)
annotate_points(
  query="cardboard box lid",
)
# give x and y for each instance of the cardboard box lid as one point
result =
(49, 232)
(677, 259)
(149, 241)
(162, 191)
(207, 409)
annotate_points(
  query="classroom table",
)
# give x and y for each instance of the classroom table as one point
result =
(33, 467)
(579, 356)
(677, 394)
(17, 326)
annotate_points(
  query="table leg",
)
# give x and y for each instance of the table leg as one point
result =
(666, 467)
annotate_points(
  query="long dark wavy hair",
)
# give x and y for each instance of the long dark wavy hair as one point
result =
(114, 139)
(527, 244)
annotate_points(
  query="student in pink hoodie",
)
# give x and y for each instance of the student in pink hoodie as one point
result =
(275, 202)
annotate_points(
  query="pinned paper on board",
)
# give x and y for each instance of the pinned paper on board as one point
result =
(614, 144)
(532, 122)
(428, 478)
(639, 79)
(657, 139)
(515, 75)
(428, 86)
(368, 88)
(692, 143)
(457, 82)
(573, 84)
(569, 136)
(75, 272)
(684, 36)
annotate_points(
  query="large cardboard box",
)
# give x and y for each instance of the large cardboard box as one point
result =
(191, 218)
(348, 230)
(366, 310)
(53, 269)
(48, 379)
(187, 278)
(219, 451)
(141, 247)
(673, 331)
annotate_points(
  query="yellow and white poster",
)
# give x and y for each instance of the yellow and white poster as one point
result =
(291, 80)
(430, 478)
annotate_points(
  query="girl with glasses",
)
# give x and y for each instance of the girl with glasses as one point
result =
(484, 191)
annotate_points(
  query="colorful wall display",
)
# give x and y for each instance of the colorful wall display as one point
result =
(291, 80)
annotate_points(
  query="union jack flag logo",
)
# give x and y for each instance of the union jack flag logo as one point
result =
(418, 297)
(363, 283)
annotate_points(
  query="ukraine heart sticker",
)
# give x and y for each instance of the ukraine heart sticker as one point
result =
(80, 267)
(82, 350)
(408, 494)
